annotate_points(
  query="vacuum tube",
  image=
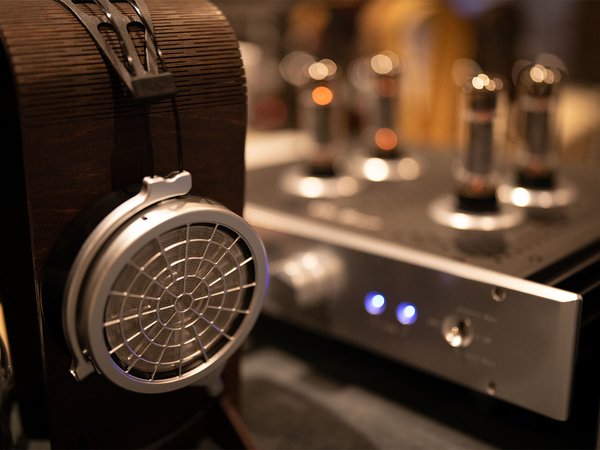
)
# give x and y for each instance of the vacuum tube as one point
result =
(537, 183)
(474, 205)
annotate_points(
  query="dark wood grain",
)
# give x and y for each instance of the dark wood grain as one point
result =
(76, 136)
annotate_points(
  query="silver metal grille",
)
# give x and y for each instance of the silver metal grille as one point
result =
(178, 301)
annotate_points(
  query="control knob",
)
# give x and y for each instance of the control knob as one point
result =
(307, 278)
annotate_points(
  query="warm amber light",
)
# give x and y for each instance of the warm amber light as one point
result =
(541, 74)
(318, 71)
(386, 139)
(322, 95)
(482, 81)
(477, 184)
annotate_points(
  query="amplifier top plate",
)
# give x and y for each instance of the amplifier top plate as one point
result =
(397, 212)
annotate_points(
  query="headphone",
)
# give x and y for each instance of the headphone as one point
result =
(166, 286)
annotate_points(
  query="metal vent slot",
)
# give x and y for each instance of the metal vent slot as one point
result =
(111, 38)
(137, 33)
(178, 301)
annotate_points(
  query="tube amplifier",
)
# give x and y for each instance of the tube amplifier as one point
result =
(497, 293)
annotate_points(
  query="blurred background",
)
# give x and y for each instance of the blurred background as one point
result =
(436, 41)
(394, 72)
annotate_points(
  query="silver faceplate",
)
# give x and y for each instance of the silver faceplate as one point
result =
(524, 333)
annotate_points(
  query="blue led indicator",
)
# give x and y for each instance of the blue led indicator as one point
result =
(406, 313)
(375, 303)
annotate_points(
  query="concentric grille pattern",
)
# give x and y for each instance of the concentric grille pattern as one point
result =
(178, 301)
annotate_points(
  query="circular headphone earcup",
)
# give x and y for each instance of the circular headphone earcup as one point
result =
(170, 295)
